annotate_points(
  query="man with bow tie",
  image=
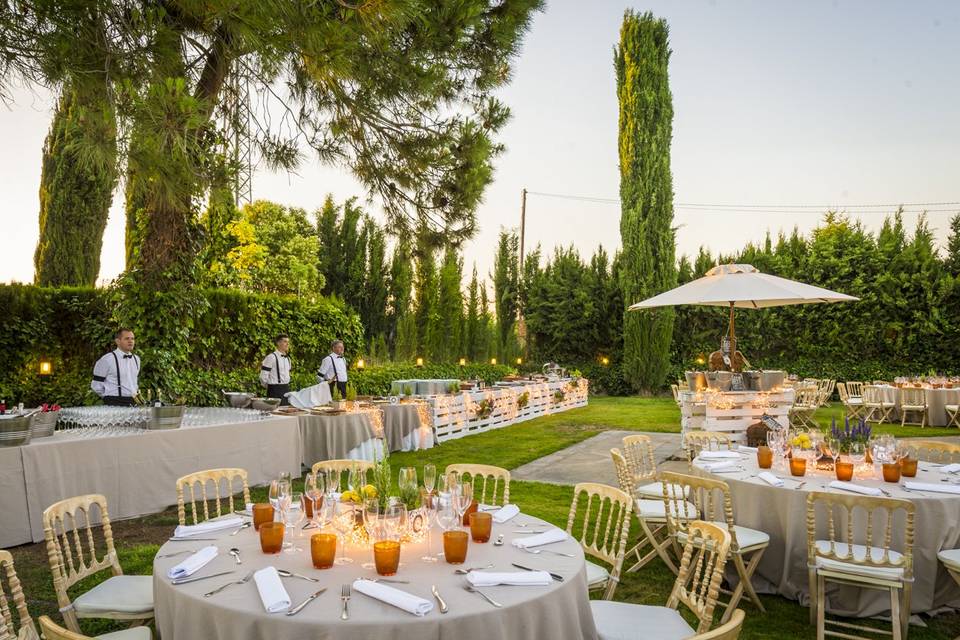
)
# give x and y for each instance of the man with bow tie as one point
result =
(333, 369)
(275, 370)
(115, 374)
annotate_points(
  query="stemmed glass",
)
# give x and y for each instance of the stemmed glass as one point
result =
(313, 490)
(429, 477)
(462, 499)
(343, 522)
(292, 517)
(446, 518)
(354, 482)
(274, 495)
(428, 511)
(333, 483)
(371, 521)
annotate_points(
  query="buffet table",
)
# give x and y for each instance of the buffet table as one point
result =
(407, 426)
(781, 513)
(419, 387)
(351, 435)
(559, 610)
(137, 472)
(732, 412)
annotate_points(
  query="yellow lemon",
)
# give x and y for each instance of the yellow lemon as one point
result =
(370, 491)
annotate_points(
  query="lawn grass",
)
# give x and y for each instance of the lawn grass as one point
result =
(138, 539)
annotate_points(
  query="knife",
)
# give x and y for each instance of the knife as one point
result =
(187, 539)
(194, 579)
(555, 576)
(309, 599)
(436, 594)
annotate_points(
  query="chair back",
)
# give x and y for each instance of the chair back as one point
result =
(696, 441)
(688, 497)
(880, 516)
(842, 392)
(932, 450)
(52, 631)
(638, 451)
(855, 389)
(217, 478)
(701, 570)
(19, 602)
(676, 393)
(339, 466)
(911, 397)
(493, 479)
(603, 524)
(73, 555)
(872, 395)
(728, 631)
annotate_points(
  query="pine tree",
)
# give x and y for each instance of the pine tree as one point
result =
(424, 290)
(328, 234)
(445, 336)
(376, 289)
(953, 247)
(472, 322)
(401, 282)
(646, 194)
(506, 292)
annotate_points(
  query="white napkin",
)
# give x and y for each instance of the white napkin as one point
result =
(512, 578)
(547, 537)
(248, 510)
(272, 594)
(506, 512)
(186, 530)
(719, 467)
(310, 397)
(950, 468)
(746, 449)
(856, 488)
(942, 487)
(769, 478)
(400, 599)
(193, 564)
(719, 455)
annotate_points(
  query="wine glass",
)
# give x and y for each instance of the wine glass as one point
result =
(343, 521)
(446, 518)
(371, 521)
(333, 483)
(274, 494)
(354, 481)
(463, 499)
(429, 477)
(428, 512)
(292, 517)
(313, 491)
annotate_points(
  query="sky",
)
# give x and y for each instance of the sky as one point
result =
(776, 104)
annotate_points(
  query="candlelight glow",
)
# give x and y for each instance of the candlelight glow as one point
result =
(419, 362)
(46, 367)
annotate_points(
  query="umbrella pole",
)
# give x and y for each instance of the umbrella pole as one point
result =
(732, 334)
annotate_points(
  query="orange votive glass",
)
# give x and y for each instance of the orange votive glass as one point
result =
(481, 523)
(323, 549)
(386, 557)
(262, 512)
(908, 467)
(455, 546)
(798, 466)
(891, 472)
(764, 457)
(271, 537)
(844, 469)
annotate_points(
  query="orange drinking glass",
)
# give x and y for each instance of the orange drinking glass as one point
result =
(455, 546)
(262, 512)
(908, 467)
(891, 472)
(386, 557)
(271, 537)
(798, 465)
(481, 524)
(844, 469)
(764, 457)
(323, 549)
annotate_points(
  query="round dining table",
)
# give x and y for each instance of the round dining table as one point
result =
(559, 610)
(781, 513)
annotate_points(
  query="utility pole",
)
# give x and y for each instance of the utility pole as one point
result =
(521, 323)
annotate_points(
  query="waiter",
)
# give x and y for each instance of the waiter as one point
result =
(333, 369)
(115, 374)
(275, 370)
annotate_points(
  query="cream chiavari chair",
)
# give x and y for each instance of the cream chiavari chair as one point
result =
(650, 514)
(913, 401)
(603, 527)
(877, 408)
(217, 478)
(53, 631)
(713, 503)
(932, 450)
(68, 527)
(492, 477)
(861, 559)
(697, 587)
(696, 441)
(340, 466)
(27, 630)
(638, 451)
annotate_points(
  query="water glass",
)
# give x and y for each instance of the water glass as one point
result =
(429, 477)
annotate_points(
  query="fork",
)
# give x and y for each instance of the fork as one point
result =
(345, 598)
(473, 589)
(558, 553)
(242, 580)
(387, 580)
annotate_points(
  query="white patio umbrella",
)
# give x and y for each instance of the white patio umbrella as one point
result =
(742, 285)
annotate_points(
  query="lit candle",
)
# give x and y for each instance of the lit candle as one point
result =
(463, 362)
(46, 367)
(419, 362)
(493, 361)
(360, 363)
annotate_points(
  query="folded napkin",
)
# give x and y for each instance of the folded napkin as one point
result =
(186, 530)
(950, 468)
(769, 478)
(746, 449)
(719, 467)
(856, 488)
(512, 578)
(942, 487)
(547, 537)
(310, 397)
(193, 564)
(504, 513)
(272, 594)
(400, 599)
(719, 455)
(247, 510)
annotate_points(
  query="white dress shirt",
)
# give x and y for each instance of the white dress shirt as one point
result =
(275, 369)
(115, 374)
(333, 367)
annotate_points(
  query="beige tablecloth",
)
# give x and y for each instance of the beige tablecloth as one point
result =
(558, 611)
(399, 421)
(334, 436)
(781, 512)
(937, 399)
(15, 522)
(137, 473)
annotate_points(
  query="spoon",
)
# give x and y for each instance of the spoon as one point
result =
(464, 572)
(240, 528)
(236, 554)
(283, 573)
(499, 541)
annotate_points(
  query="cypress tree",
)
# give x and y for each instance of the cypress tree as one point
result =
(506, 292)
(646, 194)
(75, 189)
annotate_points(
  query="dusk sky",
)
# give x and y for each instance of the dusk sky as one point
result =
(776, 103)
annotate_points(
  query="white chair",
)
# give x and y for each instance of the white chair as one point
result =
(73, 557)
(8, 631)
(953, 412)
(878, 409)
(53, 631)
(487, 477)
(696, 441)
(852, 405)
(855, 389)
(697, 587)
(913, 401)
(604, 526)
(218, 478)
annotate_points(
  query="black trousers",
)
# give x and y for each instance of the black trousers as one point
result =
(279, 391)
(118, 401)
(334, 384)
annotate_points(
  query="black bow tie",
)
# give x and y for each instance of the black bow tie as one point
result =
(283, 355)
(127, 356)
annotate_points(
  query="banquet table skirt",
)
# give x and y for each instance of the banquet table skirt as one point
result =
(15, 523)
(138, 473)
(343, 436)
(937, 399)
(403, 429)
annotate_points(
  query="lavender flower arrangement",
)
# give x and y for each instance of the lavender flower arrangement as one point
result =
(859, 433)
